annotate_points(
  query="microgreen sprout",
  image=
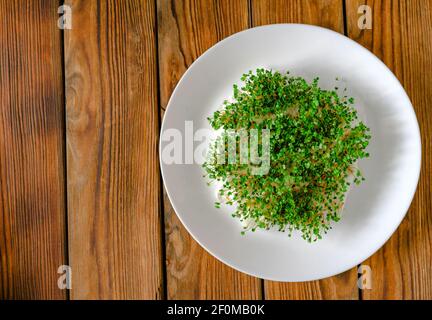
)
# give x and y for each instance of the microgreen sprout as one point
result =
(315, 141)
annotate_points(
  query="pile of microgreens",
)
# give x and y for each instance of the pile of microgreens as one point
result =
(315, 141)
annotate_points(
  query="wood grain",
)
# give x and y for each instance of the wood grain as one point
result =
(186, 29)
(329, 14)
(112, 167)
(324, 13)
(32, 202)
(401, 36)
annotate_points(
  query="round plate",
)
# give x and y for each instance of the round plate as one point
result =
(372, 211)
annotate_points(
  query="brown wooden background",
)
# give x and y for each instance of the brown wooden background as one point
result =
(80, 112)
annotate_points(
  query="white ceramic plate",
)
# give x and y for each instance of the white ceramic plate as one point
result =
(373, 210)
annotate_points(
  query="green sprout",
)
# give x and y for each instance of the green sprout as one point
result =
(315, 142)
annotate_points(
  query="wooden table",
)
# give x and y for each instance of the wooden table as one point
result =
(80, 112)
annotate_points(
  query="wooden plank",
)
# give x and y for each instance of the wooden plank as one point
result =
(401, 36)
(32, 201)
(324, 13)
(112, 132)
(329, 14)
(186, 29)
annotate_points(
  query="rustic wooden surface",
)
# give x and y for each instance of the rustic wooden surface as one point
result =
(32, 193)
(115, 246)
(79, 174)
